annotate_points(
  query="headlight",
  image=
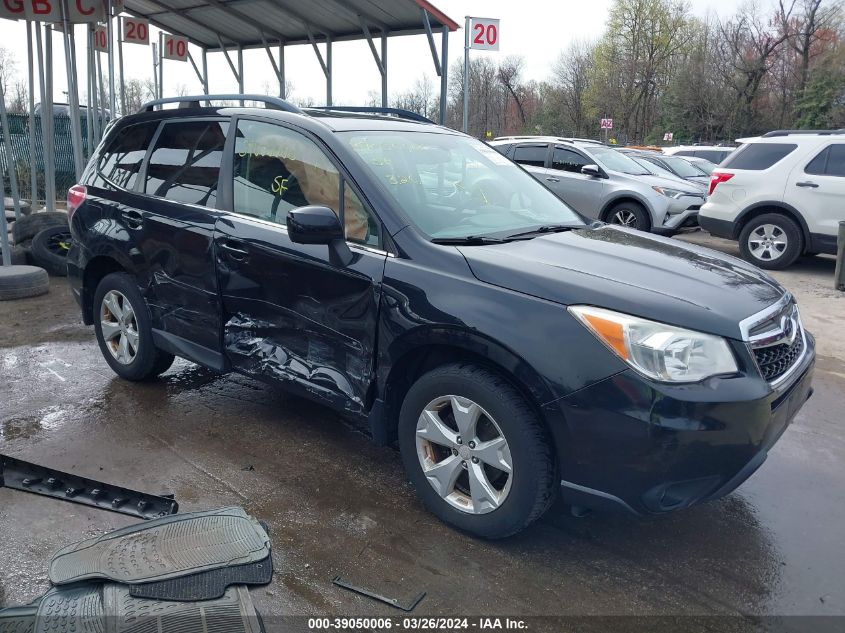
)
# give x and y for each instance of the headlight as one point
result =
(673, 193)
(656, 350)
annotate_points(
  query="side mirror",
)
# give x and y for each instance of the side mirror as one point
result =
(314, 225)
(320, 225)
(591, 170)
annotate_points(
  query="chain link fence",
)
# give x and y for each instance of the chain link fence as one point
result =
(20, 159)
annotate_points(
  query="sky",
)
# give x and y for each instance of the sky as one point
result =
(536, 29)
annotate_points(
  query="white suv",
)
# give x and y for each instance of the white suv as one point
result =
(714, 153)
(781, 196)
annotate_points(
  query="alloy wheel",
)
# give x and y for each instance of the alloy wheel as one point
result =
(464, 454)
(767, 242)
(624, 217)
(119, 327)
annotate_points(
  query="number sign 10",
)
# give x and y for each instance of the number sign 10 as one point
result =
(175, 47)
(484, 34)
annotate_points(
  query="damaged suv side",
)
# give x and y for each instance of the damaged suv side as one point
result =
(417, 280)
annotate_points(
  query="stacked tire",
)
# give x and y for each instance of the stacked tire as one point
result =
(44, 239)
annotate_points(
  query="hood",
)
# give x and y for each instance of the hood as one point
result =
(633, 272)
(671, 183)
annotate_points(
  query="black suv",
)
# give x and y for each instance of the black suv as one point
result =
(415, 279)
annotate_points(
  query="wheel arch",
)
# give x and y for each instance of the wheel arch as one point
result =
(761, 208)
(626, 197)
(420, 352)
(95, 270)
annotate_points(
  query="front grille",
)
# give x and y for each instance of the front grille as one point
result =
(775, 360)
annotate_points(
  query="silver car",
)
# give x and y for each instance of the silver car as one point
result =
(602, 183)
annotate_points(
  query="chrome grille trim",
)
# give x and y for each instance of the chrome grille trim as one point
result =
(786, 327)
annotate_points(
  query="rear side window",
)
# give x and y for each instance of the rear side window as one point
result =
(830, 162)
(121, 161)
(185, 163)
(502, 149)
(758, 156)
(534, 155)
(567, 160)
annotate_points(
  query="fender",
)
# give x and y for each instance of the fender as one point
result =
(625, 196)
(746, 213)
(474, 343)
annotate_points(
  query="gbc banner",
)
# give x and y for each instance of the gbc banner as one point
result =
(78, 11)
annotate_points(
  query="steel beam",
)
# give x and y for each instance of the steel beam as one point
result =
(430, 37)
(110, 35)
(241, 69)
(33, 159)
(384, 98)
(444, 76)
(329, 70)
(205, 70)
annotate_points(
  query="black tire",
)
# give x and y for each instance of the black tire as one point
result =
(50, 248)
(636, 211)
(18, 282)
(29, 226)
(532, 485)
(19, 256)
(782, 228)
(148, 361)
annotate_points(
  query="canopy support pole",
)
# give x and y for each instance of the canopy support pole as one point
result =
(33, 162)
(73, 94)
(110, 35)
(45, 61)
(384, 63)
(205, 70)
(444, 75)
(120, 66)
(329, 70)
(283, 89)
(89, 87)
(430, 36)
(240, 69)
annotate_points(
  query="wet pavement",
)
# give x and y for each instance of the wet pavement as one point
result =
(337, 505)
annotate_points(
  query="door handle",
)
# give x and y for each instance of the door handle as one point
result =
(238, 254)
(551, 179)
(807, 183)
(133, 219)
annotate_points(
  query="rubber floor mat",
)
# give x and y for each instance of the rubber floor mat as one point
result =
(18, 619)
(232, 613)
(206, 585)
(165, 548)
(71, 610)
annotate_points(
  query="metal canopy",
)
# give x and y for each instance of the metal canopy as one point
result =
(252, 23)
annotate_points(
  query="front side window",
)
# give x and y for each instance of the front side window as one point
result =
(185, 163)
(533, 155)
(614, 160)
(453, 187)
(120, 163)
(759, 156)
(567, 160)
(276, 170)
(683, 168)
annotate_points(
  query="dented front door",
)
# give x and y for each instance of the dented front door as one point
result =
(291, 314)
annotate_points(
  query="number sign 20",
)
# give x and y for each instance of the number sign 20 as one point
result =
(175, 47)
(136, 31)
(484, 34)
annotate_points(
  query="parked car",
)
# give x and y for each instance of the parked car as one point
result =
(604, 184)
(714, 153)
(780, 195)
(656, 170)
(702, 163)
(677, 166)
(420, 283)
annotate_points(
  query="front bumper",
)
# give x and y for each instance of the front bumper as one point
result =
(652, 448)
(679, 215)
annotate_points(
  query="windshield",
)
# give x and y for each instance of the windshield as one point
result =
(453, 186)
(683, 168)
(615, 161)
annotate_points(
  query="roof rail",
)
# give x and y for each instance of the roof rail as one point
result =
(194, 101)
(788, 132)
(399, 112)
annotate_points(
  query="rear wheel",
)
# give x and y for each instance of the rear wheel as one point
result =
(475, 451)
(629, 214)
(124, 331)
(772, 241)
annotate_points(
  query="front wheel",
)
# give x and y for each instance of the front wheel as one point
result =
(475, 451)
(629, 214)
(124, 330)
